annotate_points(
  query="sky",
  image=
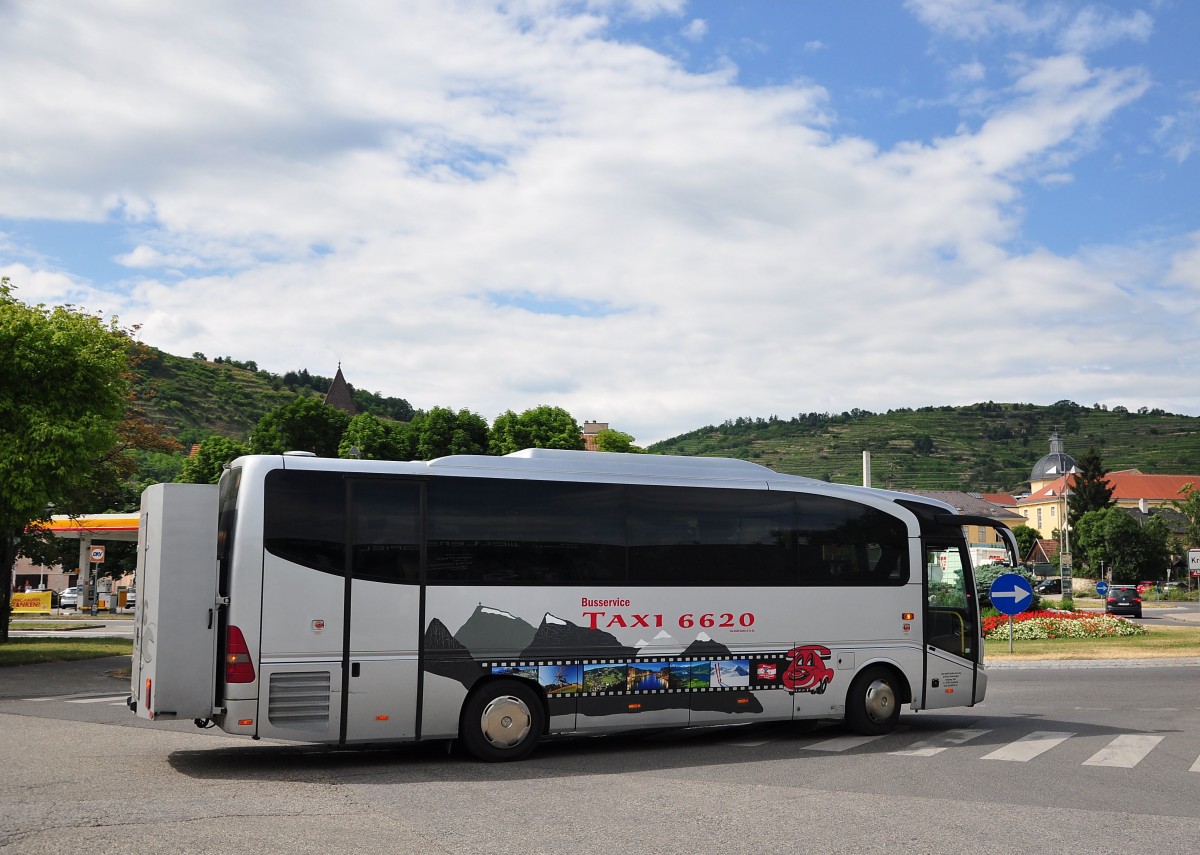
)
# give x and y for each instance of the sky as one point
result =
(658, 214)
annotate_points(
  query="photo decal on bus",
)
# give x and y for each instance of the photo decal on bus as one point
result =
(542, 655)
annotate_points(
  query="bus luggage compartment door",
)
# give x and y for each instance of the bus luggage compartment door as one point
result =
(173, 674)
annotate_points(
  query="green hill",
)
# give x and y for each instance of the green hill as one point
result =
(979, 448)
(195, 398)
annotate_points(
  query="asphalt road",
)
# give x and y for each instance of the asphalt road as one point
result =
(1102, 758)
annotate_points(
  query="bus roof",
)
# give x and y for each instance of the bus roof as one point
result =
(561, 461)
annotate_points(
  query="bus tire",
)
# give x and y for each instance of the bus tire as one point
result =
(873, 702)
(502, 720)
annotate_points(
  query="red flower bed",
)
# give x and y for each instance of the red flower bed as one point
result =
(994, 621)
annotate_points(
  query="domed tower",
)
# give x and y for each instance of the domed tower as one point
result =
(1051, 467)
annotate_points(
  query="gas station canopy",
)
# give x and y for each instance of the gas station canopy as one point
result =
(95, 526)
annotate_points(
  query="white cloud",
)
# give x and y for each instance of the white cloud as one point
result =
(984, 19)
(696, 30)
(1094, 28)
(398, 191)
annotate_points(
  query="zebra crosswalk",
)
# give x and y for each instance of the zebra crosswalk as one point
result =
(1121, 751)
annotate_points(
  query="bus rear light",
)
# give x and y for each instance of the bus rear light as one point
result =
(149, 709)
(907, 616)
(238, 667)
(635, 707)
(245, 722)
(382, 717)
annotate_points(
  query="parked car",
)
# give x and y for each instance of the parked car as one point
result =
(68, 598)
(1124, 600)
(1049, 586)
(1143, 587)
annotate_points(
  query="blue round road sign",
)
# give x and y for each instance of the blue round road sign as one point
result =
(1102, 588)
(1011, 594)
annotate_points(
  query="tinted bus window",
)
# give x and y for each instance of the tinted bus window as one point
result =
(304, 519)
(845, 543)
(386, 530)
(698, 536)
(494, 531)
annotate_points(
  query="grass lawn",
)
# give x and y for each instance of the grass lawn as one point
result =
(30, 651)
(1160, 642)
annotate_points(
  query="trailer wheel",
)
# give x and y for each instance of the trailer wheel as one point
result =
(502, 720)
(872, 704)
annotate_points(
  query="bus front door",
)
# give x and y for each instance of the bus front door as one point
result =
(380, 666)
(951, 650)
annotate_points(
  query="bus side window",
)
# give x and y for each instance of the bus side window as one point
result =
(304, 519)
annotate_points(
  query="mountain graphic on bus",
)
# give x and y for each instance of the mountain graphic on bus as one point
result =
(558, 637)
(491, 633)
(447, 657)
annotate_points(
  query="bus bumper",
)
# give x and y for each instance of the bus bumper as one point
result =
(981, 681)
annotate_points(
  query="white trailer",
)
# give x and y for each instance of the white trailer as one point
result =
(175, 635)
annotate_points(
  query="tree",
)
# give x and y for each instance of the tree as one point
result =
(371, 438)
(212, 454)
(1090, 490)
(1026, 538)
(540, 427)
(306, 424)
(441, 432)
(617, 441)
(63, 390)
(1114, 541)
(1189, 507)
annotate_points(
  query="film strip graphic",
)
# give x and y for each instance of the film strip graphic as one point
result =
(662, 675)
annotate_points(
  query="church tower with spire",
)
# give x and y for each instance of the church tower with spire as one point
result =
(338, 395)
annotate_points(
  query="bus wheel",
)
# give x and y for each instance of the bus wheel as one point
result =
(872, 705)
(502, 721)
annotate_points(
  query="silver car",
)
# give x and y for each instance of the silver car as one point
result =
(68, 598)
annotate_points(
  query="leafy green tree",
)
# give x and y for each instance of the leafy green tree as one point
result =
(63, 390)
(540, 427)
(1090, 490)
(1026, 538)
(507, 434)
(617, 441)
(1189, 507)
(441, 432)
(372, 438)
(306, 424)
(212, 454)
(1113, 540)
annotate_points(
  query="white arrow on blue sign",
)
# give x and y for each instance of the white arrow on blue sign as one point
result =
(1102, 588)
(1011, 594)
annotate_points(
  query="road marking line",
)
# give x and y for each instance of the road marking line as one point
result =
(66, 697)
(930, 747)
(1124, 752)
(1029, 746)
(841, 743)
(1195, 766)
(98, 700)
